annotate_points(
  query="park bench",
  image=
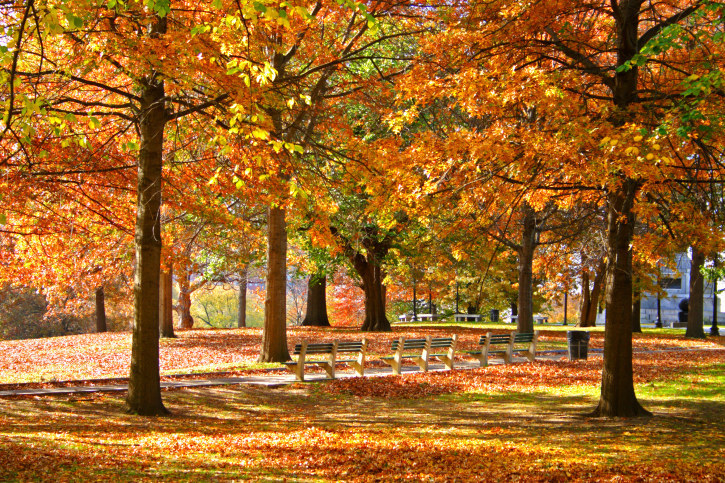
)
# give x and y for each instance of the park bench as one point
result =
(467, 317)
(420, 351)
(505, 346)
(538, 319)
(324, 354)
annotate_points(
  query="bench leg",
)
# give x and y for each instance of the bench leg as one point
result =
(422, 363)
(329, 369)
(394, 364)
(508, 356)
(359, 365)
(298, 370)
(532, 348)
(358, 368)
(447, 361)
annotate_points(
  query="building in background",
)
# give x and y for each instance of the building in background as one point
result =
(677, 287)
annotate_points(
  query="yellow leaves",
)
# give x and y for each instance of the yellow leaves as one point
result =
(296, 191)
(260, 133)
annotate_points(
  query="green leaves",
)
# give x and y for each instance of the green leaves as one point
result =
(160, 7)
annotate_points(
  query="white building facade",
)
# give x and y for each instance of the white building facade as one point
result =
(677, 286)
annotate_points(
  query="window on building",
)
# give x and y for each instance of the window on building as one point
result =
(671, 283)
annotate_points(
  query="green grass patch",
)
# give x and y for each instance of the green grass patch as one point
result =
(231, 367)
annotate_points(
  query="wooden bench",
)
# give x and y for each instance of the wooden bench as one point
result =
(508, 344)
(424, 350)
(324, 354)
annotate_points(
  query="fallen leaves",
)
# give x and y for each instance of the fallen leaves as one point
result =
(523, 377)
(107, 355)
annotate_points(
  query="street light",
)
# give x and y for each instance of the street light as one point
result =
(714, 331)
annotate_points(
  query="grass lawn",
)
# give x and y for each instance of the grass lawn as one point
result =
(522, 422)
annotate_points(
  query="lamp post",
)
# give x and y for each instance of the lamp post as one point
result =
(714, 331)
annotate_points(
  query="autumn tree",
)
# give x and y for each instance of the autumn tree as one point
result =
(613, 90)
(127, 69)
(316, 66)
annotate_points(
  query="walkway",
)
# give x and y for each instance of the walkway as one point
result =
(270, 380)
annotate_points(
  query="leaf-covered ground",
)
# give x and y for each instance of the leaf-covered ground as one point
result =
(521, 422)
(96, 356)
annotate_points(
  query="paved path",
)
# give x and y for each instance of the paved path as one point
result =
(268, 380)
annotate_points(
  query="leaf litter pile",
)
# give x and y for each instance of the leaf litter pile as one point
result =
(499, 425)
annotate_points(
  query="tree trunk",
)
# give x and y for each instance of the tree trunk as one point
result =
(166, 307)
(590, 297)
(144, 388)
(415, 302)
(617, 397)
(186, 321)
(636, 311)
(596, 293)
(100, 310)
(525, 321)
(372, 284)
(695, 320)
(316, 314)
(274, 338)
(242, 312)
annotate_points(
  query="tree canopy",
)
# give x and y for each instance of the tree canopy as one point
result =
(510, 145)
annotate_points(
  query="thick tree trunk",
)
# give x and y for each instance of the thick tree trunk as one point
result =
(166, 307)
(372, 284)
(242, 312)
(100, 310)
(274, 338)
(695, 320)
(186, 321)
(316, 314)
(525, 321)
(636, 310)
(144, 389)
(617, 397)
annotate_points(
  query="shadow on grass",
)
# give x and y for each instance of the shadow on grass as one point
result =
(297, 433)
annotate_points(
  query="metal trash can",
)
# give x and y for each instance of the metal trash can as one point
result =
(577, 343)
(494, 315)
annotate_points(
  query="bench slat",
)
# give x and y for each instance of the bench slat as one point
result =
(409, 344)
